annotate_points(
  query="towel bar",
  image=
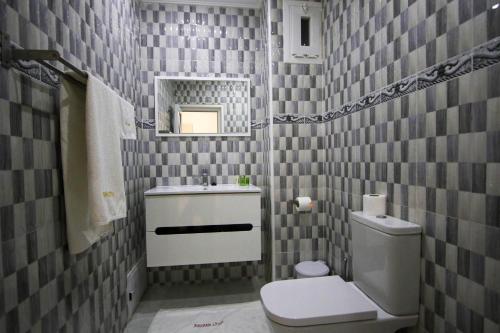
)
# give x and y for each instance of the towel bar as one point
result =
(11, 54)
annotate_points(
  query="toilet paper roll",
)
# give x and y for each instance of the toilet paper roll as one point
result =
(374, 204)
(303, 204)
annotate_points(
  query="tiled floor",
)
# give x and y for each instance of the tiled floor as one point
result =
(162, 297)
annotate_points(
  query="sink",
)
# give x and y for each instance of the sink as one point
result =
(199, 189)
(193, 224)
(182, 188)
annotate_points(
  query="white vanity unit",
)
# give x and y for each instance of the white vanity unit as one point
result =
(193, 224)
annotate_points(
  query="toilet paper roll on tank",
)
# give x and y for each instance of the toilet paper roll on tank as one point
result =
(374, 204)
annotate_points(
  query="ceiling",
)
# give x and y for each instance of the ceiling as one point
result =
(221, 3)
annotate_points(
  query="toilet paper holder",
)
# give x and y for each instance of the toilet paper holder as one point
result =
(296, 203)
(302, 207)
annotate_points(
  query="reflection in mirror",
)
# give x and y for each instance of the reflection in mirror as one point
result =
(202, 106)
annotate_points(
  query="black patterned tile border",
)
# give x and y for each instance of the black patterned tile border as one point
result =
(35, 70)
(398, 89)
(49, 77)
(313, 119)
(259, 124)
(288, 119)
(340, 112)
(365, 102)
(445, 71)
(29, 68)
(330, 115)
(486, 55)
(145, 123)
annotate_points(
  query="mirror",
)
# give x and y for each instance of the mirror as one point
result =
(192, 106)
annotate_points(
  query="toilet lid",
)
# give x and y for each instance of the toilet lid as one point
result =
(312, 268)
(315, 301)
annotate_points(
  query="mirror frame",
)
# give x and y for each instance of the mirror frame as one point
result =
(194, 78)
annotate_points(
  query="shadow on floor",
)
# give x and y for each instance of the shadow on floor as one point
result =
(185, 296)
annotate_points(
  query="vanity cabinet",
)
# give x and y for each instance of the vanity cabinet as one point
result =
(187, 225)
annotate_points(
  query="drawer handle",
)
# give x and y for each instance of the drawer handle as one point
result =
(199, 229)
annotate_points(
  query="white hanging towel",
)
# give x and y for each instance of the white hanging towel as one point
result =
(127, 112)
(91, 121)
(80, 231)
(106, 188)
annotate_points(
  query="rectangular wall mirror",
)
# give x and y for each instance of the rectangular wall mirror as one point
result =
(193, 106)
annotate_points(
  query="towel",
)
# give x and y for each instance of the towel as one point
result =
(80, 231)
(127, 114)
(106, 188)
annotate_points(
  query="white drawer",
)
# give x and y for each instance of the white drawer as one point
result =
(202, 209)
(202, 248)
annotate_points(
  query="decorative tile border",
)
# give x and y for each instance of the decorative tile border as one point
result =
(366, 102)
(313, 119)
(145, 123)
(483, 56)
(445, 71)
(259, 124)
(288, 119)
(297, 119)
(35, 70)
(29, 68)
(399, 89)
(486, 55)
(49, 77)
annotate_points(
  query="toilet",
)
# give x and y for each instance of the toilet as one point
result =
(384, 294)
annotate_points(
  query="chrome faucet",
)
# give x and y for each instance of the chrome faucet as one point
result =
(204, 177)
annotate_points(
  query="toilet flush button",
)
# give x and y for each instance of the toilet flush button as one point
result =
(386, 221)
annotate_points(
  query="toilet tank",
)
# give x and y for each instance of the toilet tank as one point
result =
(386, 261)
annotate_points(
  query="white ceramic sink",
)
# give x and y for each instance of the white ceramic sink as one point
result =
(199, 189)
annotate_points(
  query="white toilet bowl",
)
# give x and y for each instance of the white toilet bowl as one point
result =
(383, 298)
(326, 305)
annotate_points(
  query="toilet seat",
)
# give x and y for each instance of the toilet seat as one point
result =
(315, 301)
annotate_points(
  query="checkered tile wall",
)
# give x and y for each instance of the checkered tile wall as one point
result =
(299, 154)
(296, 88)
(180, 40)
(412, 112)
(405, 103)
(42, 287)
(298, 149)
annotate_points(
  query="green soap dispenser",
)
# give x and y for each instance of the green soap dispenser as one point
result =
(243, 180)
